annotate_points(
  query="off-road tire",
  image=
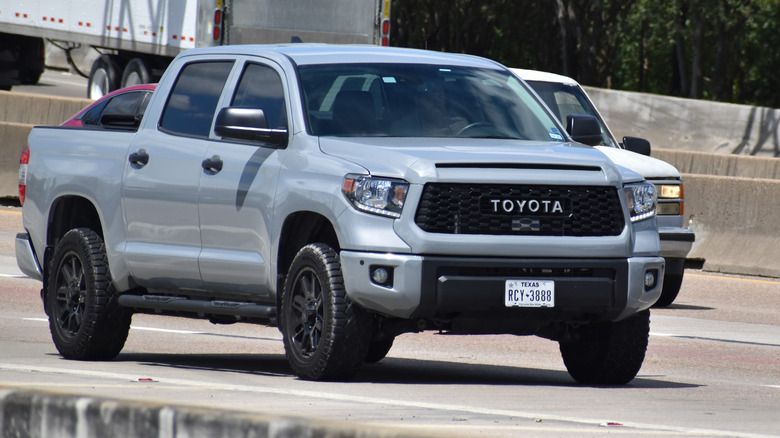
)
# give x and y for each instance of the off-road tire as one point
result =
(85, 320)
(326, 336)
(607, 353)
(671, 288)
(378, 349)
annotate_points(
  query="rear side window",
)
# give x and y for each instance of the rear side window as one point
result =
(193, 100)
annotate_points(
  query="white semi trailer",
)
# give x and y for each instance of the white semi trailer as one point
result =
(137, 39)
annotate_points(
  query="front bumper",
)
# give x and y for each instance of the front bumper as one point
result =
(431, 287)
(676, 242)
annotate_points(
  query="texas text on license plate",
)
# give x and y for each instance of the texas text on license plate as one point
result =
(529, 293)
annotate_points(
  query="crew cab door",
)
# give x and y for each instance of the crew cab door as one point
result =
(237, 193)
(162, 178)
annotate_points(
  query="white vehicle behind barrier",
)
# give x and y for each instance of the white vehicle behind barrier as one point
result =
(137, 39)
(565, 97)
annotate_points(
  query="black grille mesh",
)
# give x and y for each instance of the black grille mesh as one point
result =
(456, 209)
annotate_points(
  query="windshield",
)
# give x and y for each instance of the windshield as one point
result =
(565, 100)
(421, 100)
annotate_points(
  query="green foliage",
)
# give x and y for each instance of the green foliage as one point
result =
(713, 49)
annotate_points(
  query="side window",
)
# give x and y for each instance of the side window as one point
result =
(92, 117)
(127, 103)
(261, 87)
(193, 100)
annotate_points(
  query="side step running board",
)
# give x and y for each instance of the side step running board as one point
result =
(198, 308)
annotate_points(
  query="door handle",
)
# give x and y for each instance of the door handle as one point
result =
(212, 165)
(139, 158)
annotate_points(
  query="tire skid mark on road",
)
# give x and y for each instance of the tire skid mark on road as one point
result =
(351, 398)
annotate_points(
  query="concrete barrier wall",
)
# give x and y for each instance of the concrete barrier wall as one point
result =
(689, 124)
(735, 221)
(33, 109)
(720, 164)
(36, 414)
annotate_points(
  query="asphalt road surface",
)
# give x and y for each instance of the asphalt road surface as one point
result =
(712, 369)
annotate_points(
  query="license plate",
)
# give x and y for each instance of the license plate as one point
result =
(529, 293)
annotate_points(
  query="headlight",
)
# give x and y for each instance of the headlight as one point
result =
(673, 191)
(641, 199)
(670, 199)
(382, 196)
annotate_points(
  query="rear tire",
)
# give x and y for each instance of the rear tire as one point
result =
(607, 353)
(326, 336)
(104, 77)
(136, 72)
(85, 319)
(378, 349)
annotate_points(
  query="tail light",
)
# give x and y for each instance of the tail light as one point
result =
(386, 32)
(217, 24)
(23, 161)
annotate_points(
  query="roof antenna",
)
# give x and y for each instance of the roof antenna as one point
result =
(296, 39)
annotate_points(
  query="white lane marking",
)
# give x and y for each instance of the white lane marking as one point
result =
(135, 327)
(351, 398)
(14, 276)
(152, 329)
(664, 335)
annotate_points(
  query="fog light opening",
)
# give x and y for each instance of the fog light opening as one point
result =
(382, 275)
(651, 279)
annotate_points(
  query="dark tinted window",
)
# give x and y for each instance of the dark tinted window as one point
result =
(260, 87)
(422, 100)
(191, 105)
(92, 117)
(131, 104)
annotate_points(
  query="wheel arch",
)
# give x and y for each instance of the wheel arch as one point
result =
(65, 214)
(300, 229)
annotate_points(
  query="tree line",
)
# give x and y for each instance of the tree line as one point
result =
(724, 50)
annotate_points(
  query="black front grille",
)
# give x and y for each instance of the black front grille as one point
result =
(495, 209)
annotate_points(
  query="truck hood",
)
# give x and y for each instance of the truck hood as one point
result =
(648, 167)
(422, 159)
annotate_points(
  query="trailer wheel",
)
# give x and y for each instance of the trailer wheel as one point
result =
(136, 72)
(86, 321)
(104, 77)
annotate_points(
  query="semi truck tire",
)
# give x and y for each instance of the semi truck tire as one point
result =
(136, 72)
(104, 77)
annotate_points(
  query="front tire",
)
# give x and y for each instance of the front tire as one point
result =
(85, 320)
(607, 353)
(326, 336)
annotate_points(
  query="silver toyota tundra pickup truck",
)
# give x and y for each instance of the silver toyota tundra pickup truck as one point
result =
(345, 195)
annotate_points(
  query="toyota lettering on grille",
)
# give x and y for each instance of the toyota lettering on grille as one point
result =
(525, 206)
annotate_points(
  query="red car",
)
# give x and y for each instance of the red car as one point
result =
(120, 109)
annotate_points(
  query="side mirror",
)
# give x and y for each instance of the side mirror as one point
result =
(584, 129)
(636, 144)
(248, 124)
